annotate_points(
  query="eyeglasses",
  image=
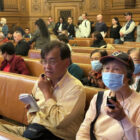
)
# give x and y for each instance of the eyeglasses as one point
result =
(49, 62)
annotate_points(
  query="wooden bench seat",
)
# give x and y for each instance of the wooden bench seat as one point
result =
(12, 85)
(86, 43)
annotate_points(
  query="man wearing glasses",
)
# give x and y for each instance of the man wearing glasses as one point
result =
(60, 97)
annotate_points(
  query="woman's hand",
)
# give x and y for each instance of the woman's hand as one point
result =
(116, 113)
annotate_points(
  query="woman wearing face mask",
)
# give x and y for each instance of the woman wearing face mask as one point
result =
(135, 55)
(94, 78)
(122, 122)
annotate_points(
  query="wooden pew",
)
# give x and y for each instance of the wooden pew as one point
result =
(34, 66)
(11, 86)
(85, 67)
(34, 54)
(76, 57)
(109, 40)
(86, 43)
(81, 58)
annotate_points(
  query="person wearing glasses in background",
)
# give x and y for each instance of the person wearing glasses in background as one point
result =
(135, 55)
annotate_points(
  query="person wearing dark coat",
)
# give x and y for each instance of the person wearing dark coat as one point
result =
(70, 28)
(98, 40)
(11, 62)
(22, 46)
(60, 26)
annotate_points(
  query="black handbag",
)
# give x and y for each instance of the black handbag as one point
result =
(38, 132)
(98, 107)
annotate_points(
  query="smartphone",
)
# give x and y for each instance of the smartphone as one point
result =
(43, 75)
(109, 104)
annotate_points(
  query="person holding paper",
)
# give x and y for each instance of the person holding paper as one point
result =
(11, 62)
(61, 99)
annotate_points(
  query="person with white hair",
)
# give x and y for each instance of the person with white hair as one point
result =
(4, 26)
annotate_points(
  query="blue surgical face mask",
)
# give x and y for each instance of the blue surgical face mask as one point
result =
(96, 65)
(137, 69)
(113, 81)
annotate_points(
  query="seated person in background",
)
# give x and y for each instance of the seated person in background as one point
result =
(27, 33)
(61, 99)
(60, 26)
(120, 119)
(135, 55)
(75, 70)
(11, 62)
(3, 39)
(64, 38)
(127, 31)
(98, 40)
(115, 30)
(10, 35)
(94, 78)
(22, 46)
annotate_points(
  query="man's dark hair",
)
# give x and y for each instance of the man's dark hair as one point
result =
(102, 52)
(98, 36)
(64, 49)
(63, 37)
(7, 48)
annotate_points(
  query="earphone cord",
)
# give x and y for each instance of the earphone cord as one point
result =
(121, 121)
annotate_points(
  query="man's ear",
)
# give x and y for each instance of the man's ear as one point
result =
(67, 62)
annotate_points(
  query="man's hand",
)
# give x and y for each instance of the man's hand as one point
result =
(116, 113)
(46, 87)
(28, 107)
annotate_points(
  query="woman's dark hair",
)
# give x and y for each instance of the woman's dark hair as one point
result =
(118, 23)
(8, 48)
(102, 52)
(98, 36)
(43, 28)
(64, 38)
(62, 19)
(64, 49)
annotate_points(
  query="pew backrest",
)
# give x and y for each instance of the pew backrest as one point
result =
(12, 85)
